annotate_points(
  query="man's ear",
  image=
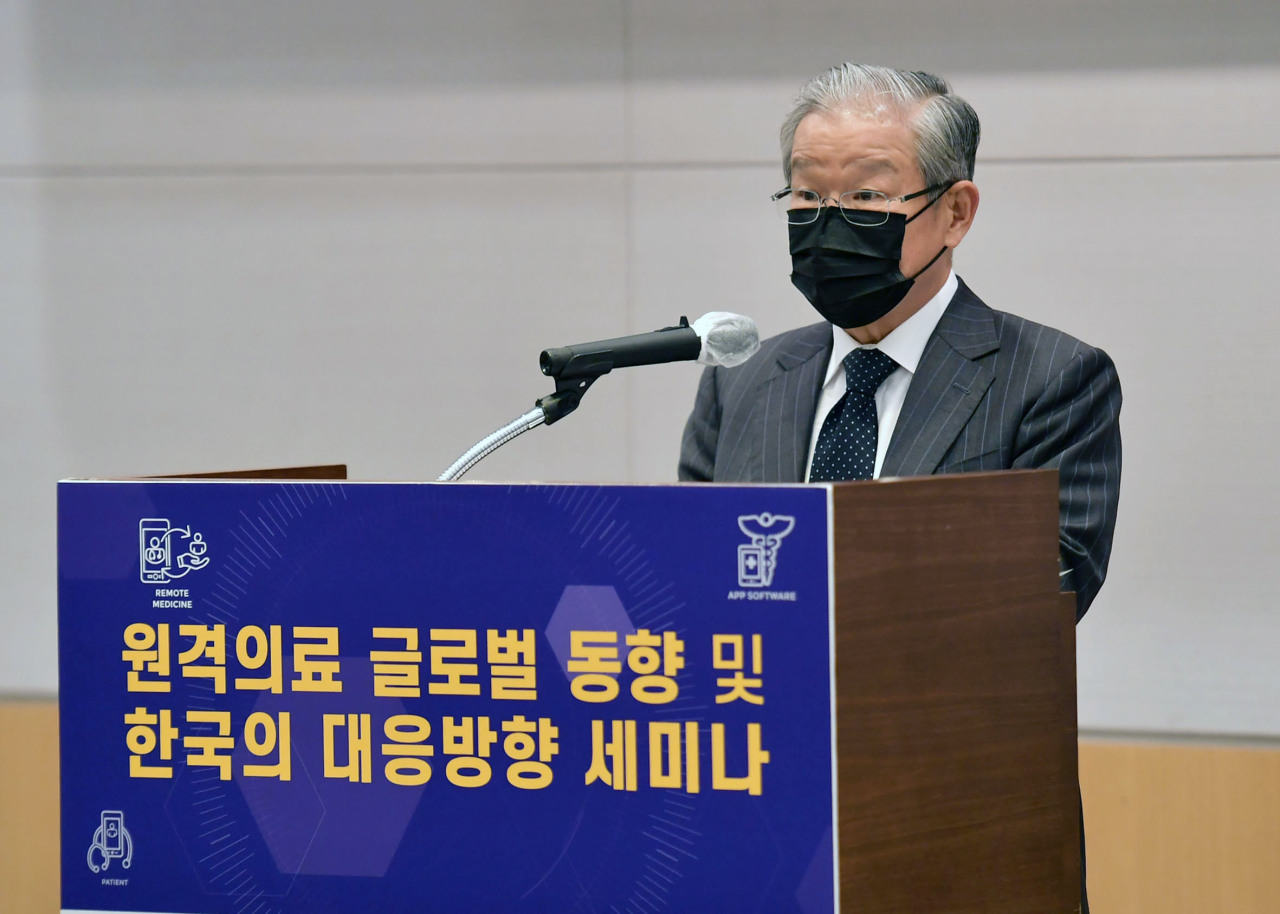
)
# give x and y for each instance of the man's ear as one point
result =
(961, 204)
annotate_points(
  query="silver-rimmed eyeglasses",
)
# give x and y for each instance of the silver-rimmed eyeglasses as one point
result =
(859, 207)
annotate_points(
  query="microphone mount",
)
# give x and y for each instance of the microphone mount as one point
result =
(568, 395)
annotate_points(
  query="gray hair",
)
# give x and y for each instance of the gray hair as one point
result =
(945, 125)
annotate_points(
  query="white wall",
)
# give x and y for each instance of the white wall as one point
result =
(261, 233)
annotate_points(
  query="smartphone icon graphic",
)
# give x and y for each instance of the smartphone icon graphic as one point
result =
(110, 842)
(154, 549)
(113, 833)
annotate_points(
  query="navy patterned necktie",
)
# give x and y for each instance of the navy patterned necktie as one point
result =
(846, 446)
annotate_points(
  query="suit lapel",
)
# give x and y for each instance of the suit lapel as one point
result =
(785, 406)
(948, 385)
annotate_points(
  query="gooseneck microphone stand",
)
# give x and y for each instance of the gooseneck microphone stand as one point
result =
(575, 369)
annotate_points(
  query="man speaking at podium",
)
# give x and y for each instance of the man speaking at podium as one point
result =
(909, 373)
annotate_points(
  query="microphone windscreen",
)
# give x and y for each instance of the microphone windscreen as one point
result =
(727, 339)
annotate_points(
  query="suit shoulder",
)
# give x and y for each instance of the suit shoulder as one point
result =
(1043, 344)
(1016, 347)
(1026, 340)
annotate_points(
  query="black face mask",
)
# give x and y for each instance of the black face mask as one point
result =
(851, 273)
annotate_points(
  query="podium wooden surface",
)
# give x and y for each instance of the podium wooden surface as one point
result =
(955, 681)
(328, 471)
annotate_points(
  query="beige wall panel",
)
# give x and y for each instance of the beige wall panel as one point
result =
(28, 445)
(1223, 111)
(711, 122)
(1156, 113)
(388, 322)
(1092, 78)
(319, 128)
(29, 807)
(730, 39)
(17, 138)
(1181, 829)
(174, 84)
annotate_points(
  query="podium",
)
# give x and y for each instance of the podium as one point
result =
(310, 694)
(955, 671)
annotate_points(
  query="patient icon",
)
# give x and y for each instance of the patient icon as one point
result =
(110, 842)
(194, 558)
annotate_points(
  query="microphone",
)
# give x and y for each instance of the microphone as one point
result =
(716, 338)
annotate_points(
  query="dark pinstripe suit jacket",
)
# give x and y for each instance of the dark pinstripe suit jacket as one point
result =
(992, 391)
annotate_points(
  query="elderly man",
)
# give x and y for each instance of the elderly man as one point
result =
(909, 373)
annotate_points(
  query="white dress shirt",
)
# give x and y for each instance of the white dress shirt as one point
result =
(905, 345)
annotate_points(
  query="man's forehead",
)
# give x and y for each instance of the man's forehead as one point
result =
(871, 165)
(852, 141)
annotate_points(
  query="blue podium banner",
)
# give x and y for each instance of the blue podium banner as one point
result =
(303, 697)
